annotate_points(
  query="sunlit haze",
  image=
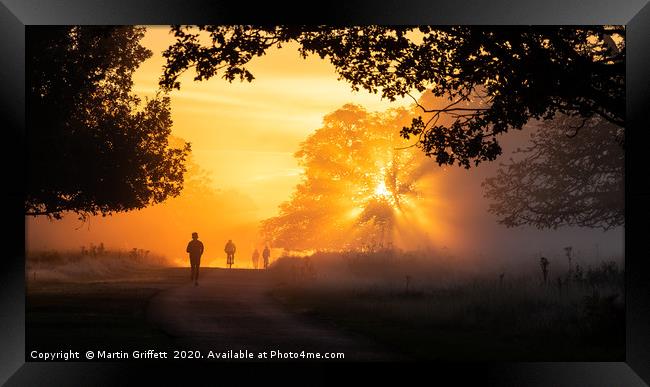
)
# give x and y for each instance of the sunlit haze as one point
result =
(245, 135)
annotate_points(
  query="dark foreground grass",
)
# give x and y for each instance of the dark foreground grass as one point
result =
(99, 315)
(468, 338)
(473, 320)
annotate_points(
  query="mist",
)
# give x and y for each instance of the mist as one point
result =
(449, 216)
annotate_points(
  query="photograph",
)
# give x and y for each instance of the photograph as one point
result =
(325, 193)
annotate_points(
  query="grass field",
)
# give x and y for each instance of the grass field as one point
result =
(460, 316)
(82, 301)
(96, 315)
(408, 303)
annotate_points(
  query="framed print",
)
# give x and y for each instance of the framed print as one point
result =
(449, 190)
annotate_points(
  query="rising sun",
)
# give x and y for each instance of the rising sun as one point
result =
(382, 191)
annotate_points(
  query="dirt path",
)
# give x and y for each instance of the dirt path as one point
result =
(232, 310)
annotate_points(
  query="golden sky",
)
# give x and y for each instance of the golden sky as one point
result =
(245, 134)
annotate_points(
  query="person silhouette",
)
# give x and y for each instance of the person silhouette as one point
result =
(195, 249)
(266, 254)
(230, 253)
(256, 258)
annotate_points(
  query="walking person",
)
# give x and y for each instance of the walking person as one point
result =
(230, 250)
(256, 258)
(195, 249)
(266, 254)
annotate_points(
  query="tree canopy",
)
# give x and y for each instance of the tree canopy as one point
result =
(563, 178)
(495, 78)
(93, 146)
(354, 183)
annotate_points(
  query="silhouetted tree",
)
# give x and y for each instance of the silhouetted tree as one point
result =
(93, 147)
(495, 78)
(563, 178)
(355, 180)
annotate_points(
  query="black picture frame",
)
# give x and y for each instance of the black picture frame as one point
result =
(15, 15)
